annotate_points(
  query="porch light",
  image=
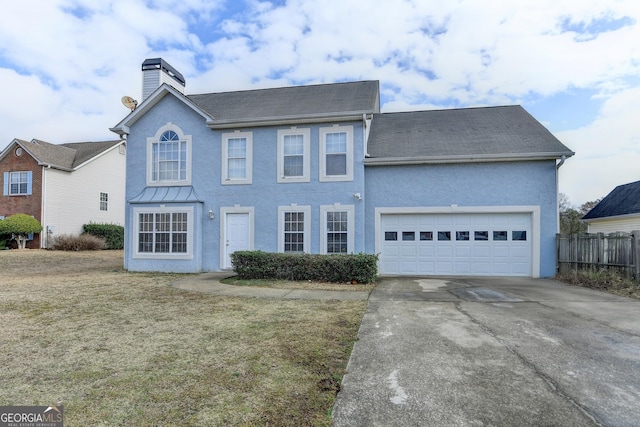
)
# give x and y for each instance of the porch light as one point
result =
(211, 214)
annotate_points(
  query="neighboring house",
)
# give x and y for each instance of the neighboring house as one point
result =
(63, 186)
(618, 212)
(319, 169)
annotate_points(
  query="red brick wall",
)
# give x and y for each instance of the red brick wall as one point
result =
(31, 204)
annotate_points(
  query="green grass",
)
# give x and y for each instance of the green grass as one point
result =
(119, 348)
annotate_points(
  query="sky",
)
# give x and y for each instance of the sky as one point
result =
(573, 64)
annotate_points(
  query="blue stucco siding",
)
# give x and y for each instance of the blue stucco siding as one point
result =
(531, 183)
(264, 194)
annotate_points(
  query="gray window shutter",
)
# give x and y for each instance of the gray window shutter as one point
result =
(6, 184)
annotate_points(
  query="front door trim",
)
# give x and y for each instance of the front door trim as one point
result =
(224, 211)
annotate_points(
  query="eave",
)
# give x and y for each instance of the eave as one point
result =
(613, 217)
(287, 120)
(479, 158)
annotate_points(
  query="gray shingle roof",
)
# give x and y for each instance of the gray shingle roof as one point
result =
(296, 101)
(489, 132)
(65, 156)
(88, 150)
(623, 200)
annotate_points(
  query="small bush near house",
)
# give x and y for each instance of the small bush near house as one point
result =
(353, 268)
(83, 242)
(111, 233)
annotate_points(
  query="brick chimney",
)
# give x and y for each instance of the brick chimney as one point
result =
(156, 71)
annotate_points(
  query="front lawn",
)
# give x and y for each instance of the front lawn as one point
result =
(119, 348)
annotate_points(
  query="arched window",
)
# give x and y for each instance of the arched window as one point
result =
(169, 156)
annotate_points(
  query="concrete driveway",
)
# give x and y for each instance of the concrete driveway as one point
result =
(493, 352)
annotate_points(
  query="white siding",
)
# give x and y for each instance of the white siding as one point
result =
(72, 199)
(626, 224)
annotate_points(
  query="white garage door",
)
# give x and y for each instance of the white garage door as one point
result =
(472, 244)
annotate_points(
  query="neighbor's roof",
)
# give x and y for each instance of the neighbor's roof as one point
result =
(466, 134)
(64, 156)
(291, 102)
(623, 200)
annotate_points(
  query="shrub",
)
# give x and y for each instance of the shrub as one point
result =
(359, 268)
(83, 242)
(111, 233)
(20, 226)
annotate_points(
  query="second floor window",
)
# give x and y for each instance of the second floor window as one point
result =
(293, 155)
(237, 158)
(169, 157)
(237, 155)
(17, 183)
(336, 153)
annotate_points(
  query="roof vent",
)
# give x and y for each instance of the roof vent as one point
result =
(155, 72)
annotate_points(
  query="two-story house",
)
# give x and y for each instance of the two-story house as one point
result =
(63, 186)
(319, 169)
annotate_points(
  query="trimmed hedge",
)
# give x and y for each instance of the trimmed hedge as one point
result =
(111, 233)
(358, 268)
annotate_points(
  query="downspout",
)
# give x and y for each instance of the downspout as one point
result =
(44, 241)
(562, 160)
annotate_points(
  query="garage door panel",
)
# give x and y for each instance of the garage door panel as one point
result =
(463, 251)
(426, 251)
(408, 251)
(480, 244)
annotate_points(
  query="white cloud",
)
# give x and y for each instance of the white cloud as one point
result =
(65, 63)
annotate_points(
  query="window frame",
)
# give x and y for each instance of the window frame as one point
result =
(350, 210)
(152, 141)
(163, 210)
(306, 159)
(28, 183)
(104, 201)
(248, 179)
(282, 211)
(348, 176)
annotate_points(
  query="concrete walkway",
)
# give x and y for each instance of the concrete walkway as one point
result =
(492, 352)
(210, 283)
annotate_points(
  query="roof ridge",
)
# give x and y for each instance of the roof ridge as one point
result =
(284, 87)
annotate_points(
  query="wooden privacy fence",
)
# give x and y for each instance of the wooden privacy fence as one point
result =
(616, 251)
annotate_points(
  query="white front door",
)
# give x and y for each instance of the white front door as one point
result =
(237, 235)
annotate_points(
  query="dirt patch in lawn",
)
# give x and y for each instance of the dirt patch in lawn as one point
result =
(120, 348)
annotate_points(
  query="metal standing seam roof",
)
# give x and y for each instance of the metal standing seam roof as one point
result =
(295, 101)
(507, 131)
(623, 200)
(184, 194)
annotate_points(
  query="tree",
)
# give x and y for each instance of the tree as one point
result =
(20, 226)
(571, 218)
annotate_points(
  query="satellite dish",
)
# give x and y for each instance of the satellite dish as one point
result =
(129, 102)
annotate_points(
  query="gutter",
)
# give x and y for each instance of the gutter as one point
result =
(562, 160)
(481, 158)
(286, 120)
